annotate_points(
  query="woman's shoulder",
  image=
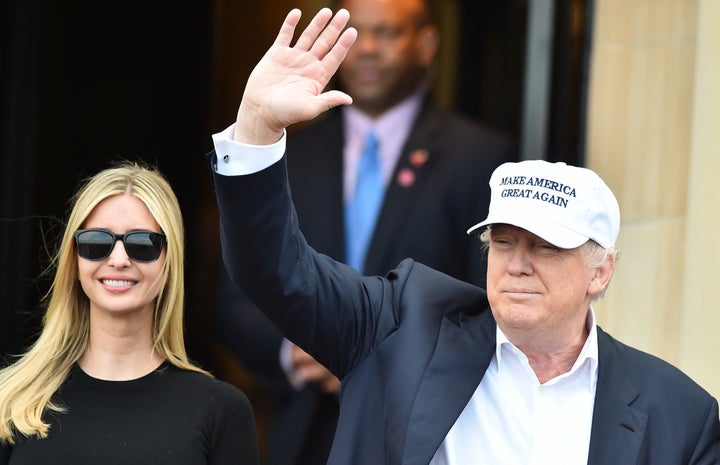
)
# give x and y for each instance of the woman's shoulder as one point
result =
(202, 385)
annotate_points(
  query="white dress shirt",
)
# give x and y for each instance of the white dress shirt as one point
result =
(513, 419)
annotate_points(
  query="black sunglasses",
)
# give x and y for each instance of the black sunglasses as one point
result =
(141, 246)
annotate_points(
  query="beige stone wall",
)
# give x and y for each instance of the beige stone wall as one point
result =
(700, 350)
(653, 134)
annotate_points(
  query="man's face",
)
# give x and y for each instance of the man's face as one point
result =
(537, 291)
(391, 55)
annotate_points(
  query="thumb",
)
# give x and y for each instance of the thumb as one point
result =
(333, 98)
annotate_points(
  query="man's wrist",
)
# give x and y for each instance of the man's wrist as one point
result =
(249, 131)
(236, 158)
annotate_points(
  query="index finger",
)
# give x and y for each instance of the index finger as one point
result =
(340, 49)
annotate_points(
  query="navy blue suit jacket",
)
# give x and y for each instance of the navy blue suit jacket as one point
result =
(438, 189)
(411, 347)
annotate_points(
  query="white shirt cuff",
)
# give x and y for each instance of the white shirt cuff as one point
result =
(288, 366)
(235, 158)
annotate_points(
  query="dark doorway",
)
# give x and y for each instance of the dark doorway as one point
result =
(85, 83)
(490, 84)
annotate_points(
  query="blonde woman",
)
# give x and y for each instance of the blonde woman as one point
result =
(108, 380)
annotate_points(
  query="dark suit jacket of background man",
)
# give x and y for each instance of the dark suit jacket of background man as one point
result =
(412, 347)
(426, 220)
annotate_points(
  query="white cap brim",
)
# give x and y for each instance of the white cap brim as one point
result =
(543, 227)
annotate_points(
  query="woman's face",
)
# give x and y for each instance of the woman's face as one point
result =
(118, 286)
(536, 290)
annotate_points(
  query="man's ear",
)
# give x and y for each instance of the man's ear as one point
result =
(603, 274)
(428, 42)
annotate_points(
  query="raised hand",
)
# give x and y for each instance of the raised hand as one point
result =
(287, 84)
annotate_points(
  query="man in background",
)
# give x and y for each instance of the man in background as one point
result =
(434, 167)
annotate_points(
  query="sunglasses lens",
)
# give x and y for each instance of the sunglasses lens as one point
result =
(94, 245)
(143, 246)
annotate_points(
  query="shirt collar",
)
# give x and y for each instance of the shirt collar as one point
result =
(588, 354)
(397, 119)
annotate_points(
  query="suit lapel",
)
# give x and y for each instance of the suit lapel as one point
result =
(618, 430)
(315, 166)
(462, 354)
(410, 177)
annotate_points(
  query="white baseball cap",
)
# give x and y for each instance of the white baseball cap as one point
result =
(565, 205)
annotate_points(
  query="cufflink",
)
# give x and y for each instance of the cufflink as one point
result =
(226, 158)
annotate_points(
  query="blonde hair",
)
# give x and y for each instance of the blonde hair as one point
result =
(27, 386)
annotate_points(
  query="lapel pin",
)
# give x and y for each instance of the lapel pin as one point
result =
(406, 177)
(418, 158)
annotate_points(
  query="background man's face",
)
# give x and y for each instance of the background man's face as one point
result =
(391, 55)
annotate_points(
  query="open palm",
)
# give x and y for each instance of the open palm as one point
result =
(287, 84)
